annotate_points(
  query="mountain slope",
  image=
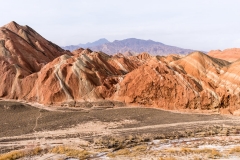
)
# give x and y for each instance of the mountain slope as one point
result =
(230, 55)
(131, 45)
(35, 70)
(87, 45)
(86, 76)
(22, 52)
(139, 46)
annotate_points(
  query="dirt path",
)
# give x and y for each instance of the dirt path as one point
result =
(80, 133)
(36, 124)
(182, 124)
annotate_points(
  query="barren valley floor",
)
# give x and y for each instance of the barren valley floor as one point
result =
(111, 129)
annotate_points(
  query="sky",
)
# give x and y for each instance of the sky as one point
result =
(192, 24)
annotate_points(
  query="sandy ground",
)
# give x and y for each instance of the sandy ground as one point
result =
(18, 118)
(25, 126)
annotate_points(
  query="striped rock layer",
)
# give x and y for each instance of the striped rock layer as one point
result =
(36, 70)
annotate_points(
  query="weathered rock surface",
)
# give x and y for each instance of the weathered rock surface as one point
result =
(196, 81)
(23, 52)
(230, 55)
(34, 69)
(86, 76)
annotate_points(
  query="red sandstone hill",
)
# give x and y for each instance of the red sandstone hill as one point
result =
(22, 52)
(230, 55)
(36, 70)
(86, 76)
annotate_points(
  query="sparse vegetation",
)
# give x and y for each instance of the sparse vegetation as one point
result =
(138, 143)
(215, 154)
(121, 152)
(20, 153)
(167, 158)
(77, 153)
(12, 155)
(212, 153)
(120, 142)
(139, 148)
(235, 150)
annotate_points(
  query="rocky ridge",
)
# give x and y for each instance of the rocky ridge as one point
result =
(23, 52)
(36, 70)
(230, 55)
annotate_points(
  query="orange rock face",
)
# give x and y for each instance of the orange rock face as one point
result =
(82, 77)
(36, 70)
(23, 52)
(228, 54)
(155, 83)
(196, 81)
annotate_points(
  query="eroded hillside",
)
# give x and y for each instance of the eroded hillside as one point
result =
(36, 70)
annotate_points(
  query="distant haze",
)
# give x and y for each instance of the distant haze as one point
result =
(87, 45)
(193, 24)
(130, 45)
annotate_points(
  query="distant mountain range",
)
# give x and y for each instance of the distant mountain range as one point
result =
(87, 45)
(130, 45)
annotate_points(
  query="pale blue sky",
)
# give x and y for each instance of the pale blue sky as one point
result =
(194, 24)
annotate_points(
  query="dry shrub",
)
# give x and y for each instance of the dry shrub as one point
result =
(235, 150)
(121, 152)
(35, 151)
(167, 158)
(12, 155)
(124, 151)
(205, 150)
(172, 150)
(186, 150)
(214, 154)
(111, 142)
(20, 153)
(82, 154)
(140, 148)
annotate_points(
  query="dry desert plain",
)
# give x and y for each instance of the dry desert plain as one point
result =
(114, 131)
(86, 104)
